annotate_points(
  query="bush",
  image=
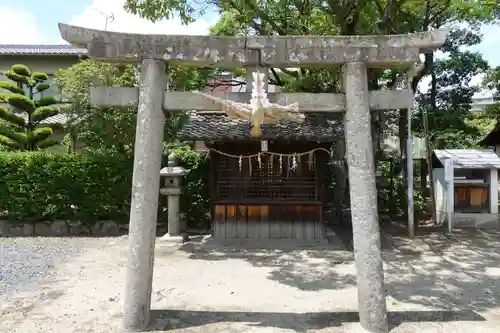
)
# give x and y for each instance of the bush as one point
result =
(44, 186)
(56, 186)
(195, 207)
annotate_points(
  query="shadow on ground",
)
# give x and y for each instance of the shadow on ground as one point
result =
(460, 271)
(303, 266)
(299, 322)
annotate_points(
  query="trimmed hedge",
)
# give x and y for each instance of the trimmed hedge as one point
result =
(195, 204)
(44, 186)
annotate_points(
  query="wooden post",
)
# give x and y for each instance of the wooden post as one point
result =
(409, 174)
(429, 163)
(391, 189)
(423, 177)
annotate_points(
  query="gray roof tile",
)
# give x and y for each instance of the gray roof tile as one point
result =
(60, 118)
(57, 119)
(467, 158)
(13, 49)
(218, 126)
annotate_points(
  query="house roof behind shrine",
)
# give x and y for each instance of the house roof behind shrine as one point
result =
(217, 126)
(41, 49)
(467, 158)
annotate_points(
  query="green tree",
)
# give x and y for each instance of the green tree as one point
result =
(113, 128)
(94, 127)
(492, 82)
(450, 118)
(491, 115)
(25, 110)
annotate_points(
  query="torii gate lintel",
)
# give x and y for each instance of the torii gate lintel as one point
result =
(236, 52)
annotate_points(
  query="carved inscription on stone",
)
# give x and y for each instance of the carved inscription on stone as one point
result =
(278, 51)
(98, 47)
(126, 46)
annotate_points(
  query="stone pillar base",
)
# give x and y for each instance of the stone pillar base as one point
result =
(175, 238)
(4, 228)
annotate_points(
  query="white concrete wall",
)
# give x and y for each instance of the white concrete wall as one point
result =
(480, 103)
(493, 195)
(440, 194)
(46, 64)
(478, 221)
(37, 63)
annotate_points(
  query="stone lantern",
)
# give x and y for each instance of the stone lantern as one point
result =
(172, 175)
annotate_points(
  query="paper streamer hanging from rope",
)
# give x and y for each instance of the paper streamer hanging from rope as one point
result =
(293, 158)
(259, 110)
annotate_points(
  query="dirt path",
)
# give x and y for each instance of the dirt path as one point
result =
(433, 285)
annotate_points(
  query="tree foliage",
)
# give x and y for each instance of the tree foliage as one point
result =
(448, 101)
(313, 17)
(94, 127)
(492, 83)
(25, 110)
(113, 128)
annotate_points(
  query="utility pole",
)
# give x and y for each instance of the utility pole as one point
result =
(409, 171)
(414, 71)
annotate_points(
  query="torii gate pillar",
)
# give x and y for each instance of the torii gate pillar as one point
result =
(145, 191)
(363, 195)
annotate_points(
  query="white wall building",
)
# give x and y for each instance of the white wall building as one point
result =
(469, 194)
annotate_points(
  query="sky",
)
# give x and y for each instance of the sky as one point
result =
(35, 22)
(39, 22)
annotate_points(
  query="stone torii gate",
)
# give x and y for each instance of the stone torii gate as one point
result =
(354, 53)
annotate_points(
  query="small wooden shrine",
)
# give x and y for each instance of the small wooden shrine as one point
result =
(274, 186)
(466, 191)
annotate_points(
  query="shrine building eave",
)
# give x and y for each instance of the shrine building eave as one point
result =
(217, 126)
(382, 51)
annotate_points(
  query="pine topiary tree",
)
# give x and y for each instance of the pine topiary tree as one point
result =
(21, 115)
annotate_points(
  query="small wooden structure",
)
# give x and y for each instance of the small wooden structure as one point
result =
(271, 187)
(474, 184)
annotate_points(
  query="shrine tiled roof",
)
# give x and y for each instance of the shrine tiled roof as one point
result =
(216, 126)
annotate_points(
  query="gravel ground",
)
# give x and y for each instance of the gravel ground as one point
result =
(434, 285)
(25, 262)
